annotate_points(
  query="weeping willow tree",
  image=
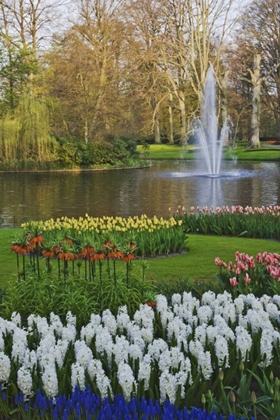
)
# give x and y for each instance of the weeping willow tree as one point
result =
(24, 135)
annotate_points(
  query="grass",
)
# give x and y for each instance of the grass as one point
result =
(166, 151)
(195, 265)
(8, 269)
(198, 263)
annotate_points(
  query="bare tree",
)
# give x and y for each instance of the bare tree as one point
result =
(256, 81)
(29, 23)
(260, 31)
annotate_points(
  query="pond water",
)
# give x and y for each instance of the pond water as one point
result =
(151, 191)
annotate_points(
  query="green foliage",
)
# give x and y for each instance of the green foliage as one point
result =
(60, 288)
(24, 135)
(145, 148)
(250, 223)
(16, 66)
(111, 151)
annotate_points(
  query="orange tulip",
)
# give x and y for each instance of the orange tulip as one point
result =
(98, 256)
(67, 256)
(128, 257)
(87, 252)
(48, 253)
(152, 304)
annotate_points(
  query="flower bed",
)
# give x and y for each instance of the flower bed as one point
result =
(146, 236)
(260, 275)
(250, 222)
(217, 352)
(90, 241)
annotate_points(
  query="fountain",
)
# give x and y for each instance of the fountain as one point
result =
(210, 142)
(206, 129)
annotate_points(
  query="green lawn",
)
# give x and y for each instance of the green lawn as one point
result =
(165, 151)
(197, 264)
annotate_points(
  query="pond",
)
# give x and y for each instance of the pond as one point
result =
(150, 191)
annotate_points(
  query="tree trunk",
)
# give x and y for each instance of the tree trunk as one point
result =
(170, 112)
(224, 104)
(156, 128)
(256, 80)
(182, 107)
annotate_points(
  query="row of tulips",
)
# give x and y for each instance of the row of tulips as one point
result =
(215, 353)
(259, 275)
(96, 239)
(251, 222)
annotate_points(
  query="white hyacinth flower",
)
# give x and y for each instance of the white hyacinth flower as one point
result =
(190, 302)
(24, 381)
(222, 352)
(16, 319)
(144, 317)
(147, 334)
(78, 376)
(126, 380)
(69, 333)
(243, 341)
(109, 321)
(229, 313)
(207, 298)
(205, 365)
(135, 352)
(70, 319)
(276, 299)
(145, 371)
(19, 344)
(178, 328)
(103, 339)
(200, 334)
(30, 359)
(56, 323)
(168, 387)
(87, 333)
(2, 343)
(176, 299)
(161, 302)
(121, 349)
(157, 347)
(164, 362)
(103, 384)
(223, 327)
(266, 347)
(83, 353)
(50, 382)
(122, 319)
(94, 368)
(204, 314)
(5, 368)
(239, 305)
(212, 333)
(273, 311)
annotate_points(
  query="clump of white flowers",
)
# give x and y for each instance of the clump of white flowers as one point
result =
(200, 335)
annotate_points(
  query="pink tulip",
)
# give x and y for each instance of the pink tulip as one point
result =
(237, 256)
(230, 266)
(247, 279)
(233, 281)
(218, 261)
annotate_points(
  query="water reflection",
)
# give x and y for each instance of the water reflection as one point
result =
(151, 191)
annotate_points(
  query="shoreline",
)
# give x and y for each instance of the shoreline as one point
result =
(75, 169)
